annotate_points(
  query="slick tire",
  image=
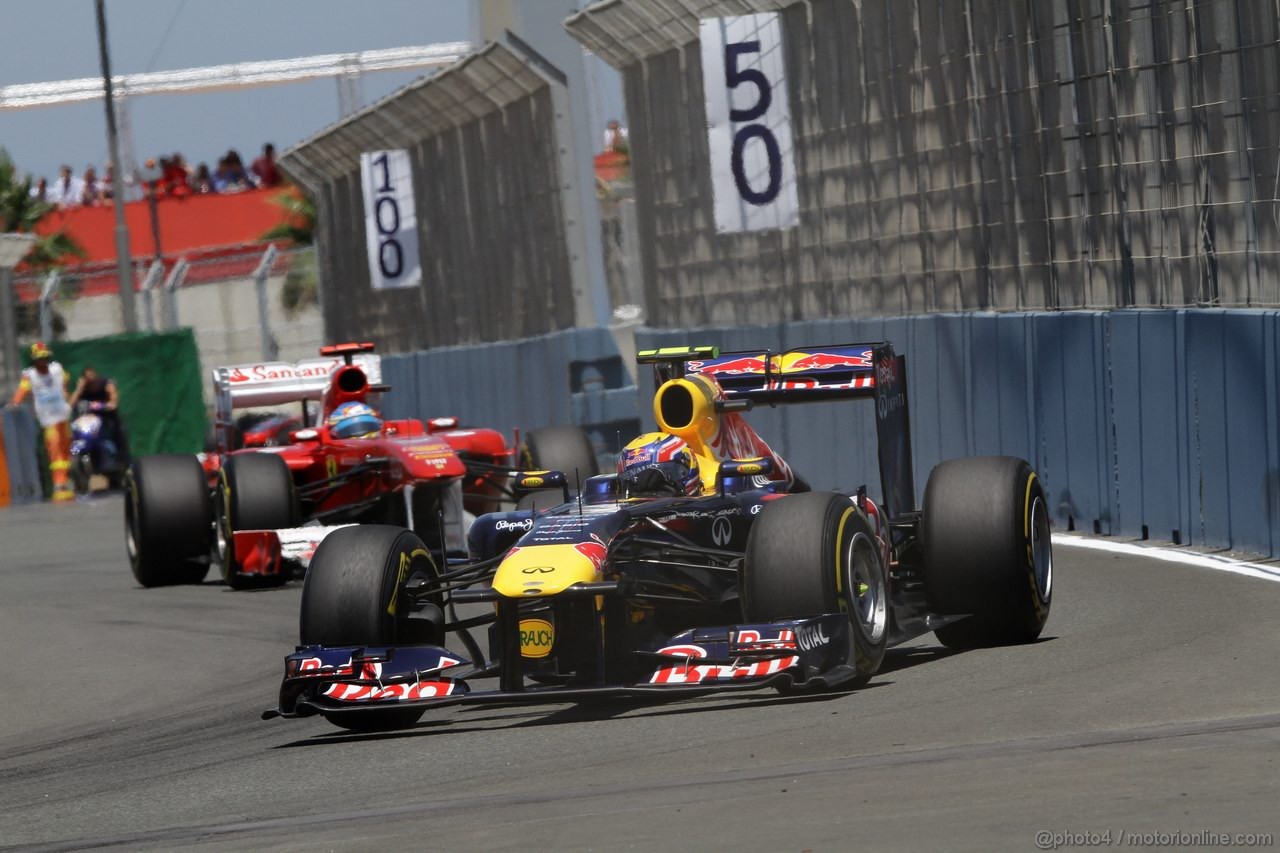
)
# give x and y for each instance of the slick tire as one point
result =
(351, 597)
(559, 448)
(985, 532)
(816, 553)
(168, 519)
(255, 492)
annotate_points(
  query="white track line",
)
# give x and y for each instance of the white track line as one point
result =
(1171, 555)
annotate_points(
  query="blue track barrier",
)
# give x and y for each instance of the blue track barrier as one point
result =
(1144, 423)
(1155, 424)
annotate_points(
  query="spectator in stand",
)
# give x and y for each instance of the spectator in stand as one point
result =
(40, 192)
(203, 181)
(150, 178)
(231, 176)
(615, 137)
(176, 177)
(264, 168)
(66, 190)
(90, 188)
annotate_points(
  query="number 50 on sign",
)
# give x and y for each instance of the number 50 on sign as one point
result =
(390, 220)
(753, 169)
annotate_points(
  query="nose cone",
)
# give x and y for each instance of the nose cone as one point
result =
(538, 571)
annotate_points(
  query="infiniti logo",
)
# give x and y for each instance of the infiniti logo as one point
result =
(721, 531)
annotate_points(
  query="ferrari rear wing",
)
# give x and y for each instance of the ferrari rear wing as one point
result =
(275, 383)
(809, 374)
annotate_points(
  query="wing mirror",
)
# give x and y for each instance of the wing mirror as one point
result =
(441, 424)
(303, 435)
(743, 468)
(532, 481)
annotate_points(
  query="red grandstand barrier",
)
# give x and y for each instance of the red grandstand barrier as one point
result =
(186, 224)
(217, 233)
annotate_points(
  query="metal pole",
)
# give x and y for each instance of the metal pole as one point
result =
(149, 284)
(155, 219)
(269, 347)
(46, 300)
(9, 328)
(124, 267)
(176, 276)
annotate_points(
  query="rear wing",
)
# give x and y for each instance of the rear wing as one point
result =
(276, 383)
(809, 374)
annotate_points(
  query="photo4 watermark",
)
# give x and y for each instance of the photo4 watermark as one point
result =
(1050, 840)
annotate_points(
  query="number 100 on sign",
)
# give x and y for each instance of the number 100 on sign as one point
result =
(391, 223)
(749, 123)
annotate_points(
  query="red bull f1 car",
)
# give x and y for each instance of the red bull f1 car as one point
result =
(259, 512)
(705, 564)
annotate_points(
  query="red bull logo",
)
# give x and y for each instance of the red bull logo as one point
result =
(791, 362)
(801, 362)
(593, 551)
(746, 365)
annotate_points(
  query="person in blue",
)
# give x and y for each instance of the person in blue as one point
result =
(354, 420)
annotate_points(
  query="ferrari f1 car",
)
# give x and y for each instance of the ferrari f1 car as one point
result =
(259, 512)
(704, 565)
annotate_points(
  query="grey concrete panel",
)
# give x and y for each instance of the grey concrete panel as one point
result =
(970, 155)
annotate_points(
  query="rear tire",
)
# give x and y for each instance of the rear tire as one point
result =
(81, 473)
(351, 598)
(559, 448)
(168, 515)
(255, 492)
(816, 553)
(985, 531)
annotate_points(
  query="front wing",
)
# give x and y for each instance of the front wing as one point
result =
(808, 653)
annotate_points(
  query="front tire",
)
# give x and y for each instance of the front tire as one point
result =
(168, 515)
(351, 597)
(816, 553)
(256, 492)
(985, 531)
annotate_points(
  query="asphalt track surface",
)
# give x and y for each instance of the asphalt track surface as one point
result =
(130, 718)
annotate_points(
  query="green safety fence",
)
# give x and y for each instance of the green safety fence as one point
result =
(159, 382)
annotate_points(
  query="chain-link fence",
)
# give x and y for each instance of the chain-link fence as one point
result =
(243, 304)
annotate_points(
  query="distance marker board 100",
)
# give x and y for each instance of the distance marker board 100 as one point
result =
(390, 219)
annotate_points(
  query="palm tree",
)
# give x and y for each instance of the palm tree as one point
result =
(19, 212)
(300, 218)
(298, 228)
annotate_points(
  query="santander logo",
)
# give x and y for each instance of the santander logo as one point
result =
(280, 370)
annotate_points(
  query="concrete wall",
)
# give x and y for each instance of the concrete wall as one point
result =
(576, 376)
(969, 154)
(492, 202)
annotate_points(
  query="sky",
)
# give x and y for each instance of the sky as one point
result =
(48, 40)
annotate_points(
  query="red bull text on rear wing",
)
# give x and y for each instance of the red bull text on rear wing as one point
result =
(843, 371)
